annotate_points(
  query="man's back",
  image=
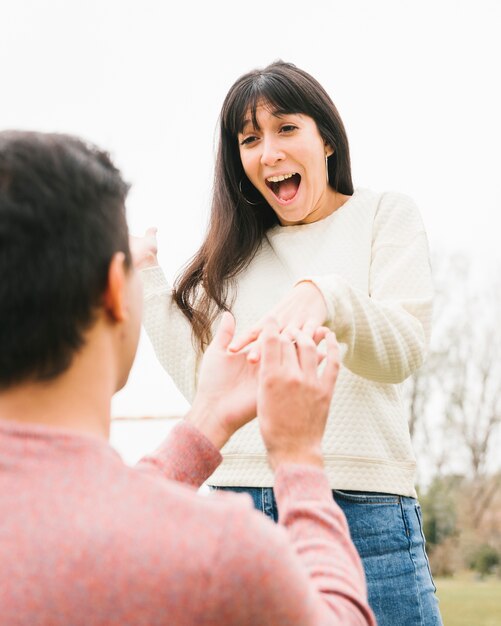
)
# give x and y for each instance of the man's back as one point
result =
(86, 540)
(105, 543)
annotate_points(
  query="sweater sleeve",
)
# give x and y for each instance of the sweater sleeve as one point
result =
(186, 456)
(386, 329)
(303, 572)
(169, 331)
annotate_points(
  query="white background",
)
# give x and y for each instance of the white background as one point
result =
(416, 83)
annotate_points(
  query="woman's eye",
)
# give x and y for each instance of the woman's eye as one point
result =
(248, 140)
(288, 128)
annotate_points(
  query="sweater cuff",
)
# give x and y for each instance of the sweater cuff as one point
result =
(302, 483)
(154, 281)
(186, 455)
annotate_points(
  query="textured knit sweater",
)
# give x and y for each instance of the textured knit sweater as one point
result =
(370, 260)
(87, 541)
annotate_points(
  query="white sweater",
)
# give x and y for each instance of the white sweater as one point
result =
(370, 259)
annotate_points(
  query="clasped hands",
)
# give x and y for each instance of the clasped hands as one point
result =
(284, 388)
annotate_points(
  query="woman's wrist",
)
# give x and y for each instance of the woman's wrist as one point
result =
(150, 260)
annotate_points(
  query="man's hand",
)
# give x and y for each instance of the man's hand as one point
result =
(302, 308)
(293, 397)
(144, 249)
(227, 387)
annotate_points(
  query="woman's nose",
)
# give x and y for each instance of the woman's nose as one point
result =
(271, 153)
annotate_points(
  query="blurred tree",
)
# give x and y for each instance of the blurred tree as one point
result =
(454, 400)
(484, 559)
(439, 505)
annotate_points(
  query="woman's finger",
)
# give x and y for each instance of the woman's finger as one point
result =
(245, 339)
(320, 334)
(309, 328)
(289, 353)
(289, 331)
(307, 352)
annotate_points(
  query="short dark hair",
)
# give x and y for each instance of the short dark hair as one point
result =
(62, 218)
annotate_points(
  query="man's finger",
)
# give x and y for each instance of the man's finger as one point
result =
(270, 347)
(331, 369)
(320, 357)
(225, 331)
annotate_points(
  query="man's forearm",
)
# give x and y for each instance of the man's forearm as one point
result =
(320, 535)
(186, 455)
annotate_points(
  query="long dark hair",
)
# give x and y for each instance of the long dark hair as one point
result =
(240, 216)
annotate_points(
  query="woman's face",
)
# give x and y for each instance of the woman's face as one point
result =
(284, 158)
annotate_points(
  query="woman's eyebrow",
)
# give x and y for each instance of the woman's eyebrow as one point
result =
(278, 113)
(247, 123)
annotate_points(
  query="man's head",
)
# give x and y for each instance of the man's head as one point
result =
(63, 238)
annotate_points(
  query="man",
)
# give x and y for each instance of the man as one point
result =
(85, 539)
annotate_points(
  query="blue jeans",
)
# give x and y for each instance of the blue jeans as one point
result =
(387, 532)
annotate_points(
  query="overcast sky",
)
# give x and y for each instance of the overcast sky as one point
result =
(416, 84)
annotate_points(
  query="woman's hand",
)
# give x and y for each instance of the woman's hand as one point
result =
(303, 308)
(144, 249)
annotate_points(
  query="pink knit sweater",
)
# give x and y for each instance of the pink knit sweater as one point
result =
(86, 540)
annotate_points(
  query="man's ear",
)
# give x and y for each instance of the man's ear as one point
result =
(115, 293)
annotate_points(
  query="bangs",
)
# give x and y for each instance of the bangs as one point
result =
(278, 96)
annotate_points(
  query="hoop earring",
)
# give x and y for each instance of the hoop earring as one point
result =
(327, 168)
(243, 195)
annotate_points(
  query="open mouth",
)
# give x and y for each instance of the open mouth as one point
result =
(285, 186)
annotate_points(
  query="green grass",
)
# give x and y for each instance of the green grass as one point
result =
(465, 601)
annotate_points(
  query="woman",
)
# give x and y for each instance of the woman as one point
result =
(290, 235)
